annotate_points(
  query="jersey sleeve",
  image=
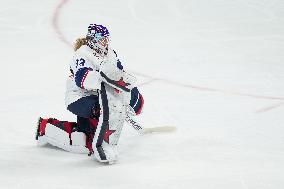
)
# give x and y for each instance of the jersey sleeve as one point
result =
(85, 74)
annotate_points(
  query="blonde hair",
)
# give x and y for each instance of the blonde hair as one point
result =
(79, 42)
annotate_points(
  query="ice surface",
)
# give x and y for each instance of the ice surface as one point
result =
(214, 69)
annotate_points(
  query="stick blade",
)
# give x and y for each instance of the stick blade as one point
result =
(162, 129)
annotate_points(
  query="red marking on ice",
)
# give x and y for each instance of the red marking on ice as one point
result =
(55, 24)
(152, 79)
(268, 108)
(207, 89)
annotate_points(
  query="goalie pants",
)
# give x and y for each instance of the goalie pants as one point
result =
(86, 107)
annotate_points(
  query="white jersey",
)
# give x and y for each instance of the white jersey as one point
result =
(85, 78)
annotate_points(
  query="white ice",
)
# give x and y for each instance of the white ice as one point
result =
(213, 69)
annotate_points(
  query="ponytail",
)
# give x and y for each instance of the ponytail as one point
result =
(79, 42)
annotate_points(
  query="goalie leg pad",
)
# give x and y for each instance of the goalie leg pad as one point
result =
(110, 124)
(72, 142)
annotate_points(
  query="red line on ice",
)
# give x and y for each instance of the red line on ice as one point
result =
(55, 24)
(266, 109)
(60, 35)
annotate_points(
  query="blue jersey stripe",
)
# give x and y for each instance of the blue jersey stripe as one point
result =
(81, 75)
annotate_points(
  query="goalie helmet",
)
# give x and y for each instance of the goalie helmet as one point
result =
(98, 38)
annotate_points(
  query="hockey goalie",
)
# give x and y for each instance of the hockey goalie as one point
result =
(100, 93)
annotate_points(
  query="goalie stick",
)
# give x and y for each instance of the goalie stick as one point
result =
(143, 130)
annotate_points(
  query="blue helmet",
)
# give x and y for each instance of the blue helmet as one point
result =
(97, 32)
